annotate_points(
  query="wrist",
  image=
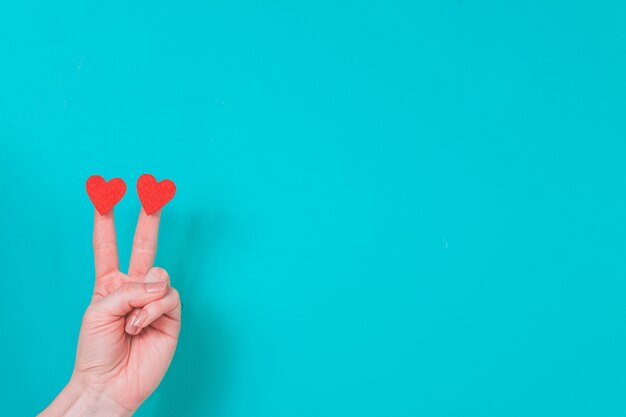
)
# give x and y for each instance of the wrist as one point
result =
(78, 400)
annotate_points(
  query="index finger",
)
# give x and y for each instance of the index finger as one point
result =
(144, 244)
(104, 244)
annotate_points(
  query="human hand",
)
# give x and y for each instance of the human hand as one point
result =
(130, 330)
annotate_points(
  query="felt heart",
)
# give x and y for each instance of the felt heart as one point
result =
(104, 195)
(153, 194)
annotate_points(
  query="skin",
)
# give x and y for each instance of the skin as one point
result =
(129, 331)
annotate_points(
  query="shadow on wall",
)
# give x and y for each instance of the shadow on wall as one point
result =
(196, 379)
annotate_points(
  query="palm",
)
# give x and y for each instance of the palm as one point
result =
(130, 366)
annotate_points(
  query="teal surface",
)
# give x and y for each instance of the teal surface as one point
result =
(383, 208)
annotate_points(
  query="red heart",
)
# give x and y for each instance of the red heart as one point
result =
(153, 194)
(104, 195)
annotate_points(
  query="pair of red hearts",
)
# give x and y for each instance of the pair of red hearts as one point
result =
(152, 194)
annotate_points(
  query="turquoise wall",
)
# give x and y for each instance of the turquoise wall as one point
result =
(384, 208)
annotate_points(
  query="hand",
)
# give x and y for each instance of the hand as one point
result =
(129, 332)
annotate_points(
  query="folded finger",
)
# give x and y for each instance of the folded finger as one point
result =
(168, 305)
(130, 295)
(155, 274)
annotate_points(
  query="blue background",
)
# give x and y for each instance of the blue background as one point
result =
(383, 209)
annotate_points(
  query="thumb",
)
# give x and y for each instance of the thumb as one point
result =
(156, 274)
(130, 295)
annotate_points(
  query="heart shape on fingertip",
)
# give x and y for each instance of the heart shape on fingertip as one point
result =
(154, 195)
(105, 194)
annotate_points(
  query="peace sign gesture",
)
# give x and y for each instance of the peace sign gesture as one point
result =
(130, 330)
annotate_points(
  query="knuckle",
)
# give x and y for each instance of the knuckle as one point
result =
(144, 245)
(135, 273)
(175, 292)
(150, 310)
(177, 303)
(101, 245)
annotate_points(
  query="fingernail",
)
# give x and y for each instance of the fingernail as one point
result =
(156, 286)
(130, 326)
(140, 318)
(136, 321)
